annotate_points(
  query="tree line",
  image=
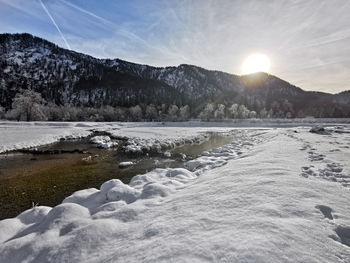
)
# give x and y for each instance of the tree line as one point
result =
(29, 105)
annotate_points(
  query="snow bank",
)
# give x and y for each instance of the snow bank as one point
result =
(258, 207)
(103, 142)
(142, 137)
(155, 138)
(23, 135)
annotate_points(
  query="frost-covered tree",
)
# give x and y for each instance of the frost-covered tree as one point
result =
(172, 112)
(288, 108)
(2, 112)
(69, 113)
(28, 106)
(184, 113)
(233, 111)
(107, 113)
(53, 112)
(135, 113)
(151, 112)
(121, 113)
(243, 112)
(252, 114)
(220, 112)
(300, 114)
(207, 112)
(263, 113)
(2, 89)
(270, 114)
(288, 115)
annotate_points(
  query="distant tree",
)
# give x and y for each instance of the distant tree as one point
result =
(2, 112)
(233, 111)
(151, 112)
(53, 112)
(219, 113)
(69, 112)
(108, 113)
(252, 114)
(121, 114)
(136, 113)
(172, 112)
(184, 113)
(28, 106)
(270, 113)
(2, 89)
(207, 112)
(300, 114)
(263, 113)
(243, 112)
(288, 108)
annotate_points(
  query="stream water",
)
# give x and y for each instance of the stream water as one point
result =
(28, 179)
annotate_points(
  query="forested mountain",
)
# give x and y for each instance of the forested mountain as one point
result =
(65, 77)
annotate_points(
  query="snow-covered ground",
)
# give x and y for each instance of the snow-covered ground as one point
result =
(22, 135)
(140, 135)
(272, 195)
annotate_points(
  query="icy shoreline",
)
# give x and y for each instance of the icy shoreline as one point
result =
(142, 136)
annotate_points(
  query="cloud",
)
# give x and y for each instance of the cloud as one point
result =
(302, 38)
(54, 23)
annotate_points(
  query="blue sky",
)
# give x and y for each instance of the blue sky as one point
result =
(308, 41)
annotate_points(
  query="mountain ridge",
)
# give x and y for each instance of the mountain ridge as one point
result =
(69, 77)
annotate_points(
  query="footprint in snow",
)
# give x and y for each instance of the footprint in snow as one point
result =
(315, 156)
(342, 235)
(332, 172)
(326, 211)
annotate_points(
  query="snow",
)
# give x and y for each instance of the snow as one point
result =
(249, 201)
(103, 142)
(23, 135)
(125, 164)
(145, 138)
(142, 137)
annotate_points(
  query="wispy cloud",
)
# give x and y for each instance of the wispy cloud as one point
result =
(302, 38)
(54, 23)
(80, 9)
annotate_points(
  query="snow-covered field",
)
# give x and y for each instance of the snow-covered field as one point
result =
(22, 135)
(272, 195)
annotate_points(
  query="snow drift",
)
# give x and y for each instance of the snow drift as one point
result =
(249, 201)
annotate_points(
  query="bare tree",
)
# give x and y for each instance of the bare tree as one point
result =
(172, 112)
(233, 111)
(2, 112)
(252, 114)
(28, 106)
(184, 113)
(136, 113)
(243, 112)
(207, 112)
(220, 112)
(151, 112)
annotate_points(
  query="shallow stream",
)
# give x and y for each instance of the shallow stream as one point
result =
(57, 170)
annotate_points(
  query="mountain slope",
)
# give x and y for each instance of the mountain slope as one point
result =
(67, 77)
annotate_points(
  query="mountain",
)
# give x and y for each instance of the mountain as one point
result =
(67, 77)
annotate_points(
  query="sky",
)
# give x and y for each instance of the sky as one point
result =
(307, 41)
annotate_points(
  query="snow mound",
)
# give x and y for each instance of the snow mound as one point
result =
(103, 142)
(125, 164)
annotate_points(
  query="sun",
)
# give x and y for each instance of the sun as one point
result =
(256, 63)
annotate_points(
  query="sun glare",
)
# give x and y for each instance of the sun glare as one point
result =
(256, 63)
